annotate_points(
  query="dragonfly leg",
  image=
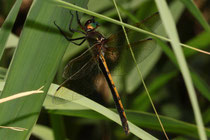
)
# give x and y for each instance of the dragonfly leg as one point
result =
(80, 42)
(93, 18)
(78, 21)
(62, 84)
(74, 39)
(71, 39)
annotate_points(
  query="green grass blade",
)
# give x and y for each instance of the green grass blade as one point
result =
(42, 132)
(206, 116)
(172, 33)
(7, 25)
(34, 64)
(171, 125)
(85, 103)
(201, 85)
(196, 13)
(142, 119)
(58, 126)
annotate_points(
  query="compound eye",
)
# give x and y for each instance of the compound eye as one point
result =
(92, 26)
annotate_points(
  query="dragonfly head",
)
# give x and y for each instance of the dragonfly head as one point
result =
(91, 25)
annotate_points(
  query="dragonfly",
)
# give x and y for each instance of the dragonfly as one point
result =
(101, 52)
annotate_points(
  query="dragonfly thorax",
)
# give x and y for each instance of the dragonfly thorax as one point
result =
(95, 38)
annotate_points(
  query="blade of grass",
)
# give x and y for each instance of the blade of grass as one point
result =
(76, 99)
(196, 13)
(172, 33)
(142, 119)
(7, 25)
(42, 132)
(12, 98)
(58, 126)
(206, 115)
(34, 64)
(201, 85)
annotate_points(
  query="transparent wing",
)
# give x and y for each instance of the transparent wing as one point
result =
(147, 24)
(80, 66)
(121, 60)
(118, 54)
(79, 75)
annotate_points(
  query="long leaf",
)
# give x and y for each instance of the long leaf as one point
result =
(142, 119)
(7, 25)
(196, 13)
(172, 33)
(79, 101)
(34, 64)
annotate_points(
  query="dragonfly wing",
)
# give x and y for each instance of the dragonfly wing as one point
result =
(83, 86)
(82, 67)
(79, 66)
(123, 60)
(118, 50)
(149, 24)
(142, 49)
